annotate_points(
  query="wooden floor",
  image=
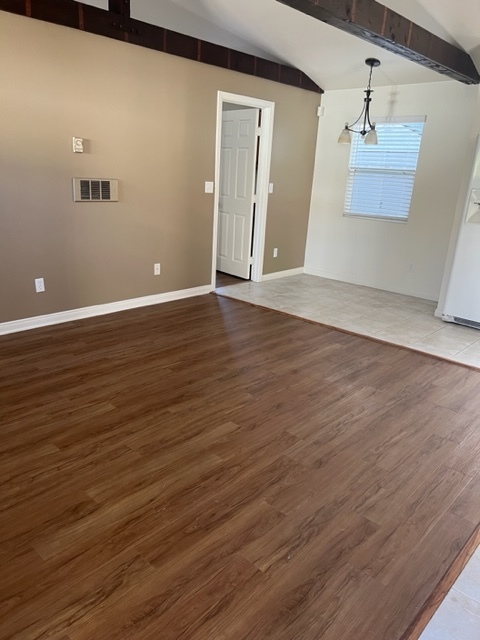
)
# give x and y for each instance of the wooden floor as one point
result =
(226, 280)
(205, 469)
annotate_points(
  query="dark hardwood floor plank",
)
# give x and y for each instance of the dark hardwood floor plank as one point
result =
(397, 486)
(293, 587)
(172, 607)
(233, 484)
(456, 425)
(42, 515)
(467, 505)
(315, 489)
(159, 471)
(27, 484)
(78, 600)
(112, 512)
(384, 555)
(466, 457)
(19, 573)
(211, 532)
(296, 534)
(205, 469)
(427, 563)
(341, 411)
(464, 397)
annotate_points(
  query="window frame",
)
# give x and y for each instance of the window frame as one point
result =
(383, 171)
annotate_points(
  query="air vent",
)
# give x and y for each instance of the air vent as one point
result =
(467, 323)
(95, 190)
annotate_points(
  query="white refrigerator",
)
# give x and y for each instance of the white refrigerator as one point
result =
(462, 303)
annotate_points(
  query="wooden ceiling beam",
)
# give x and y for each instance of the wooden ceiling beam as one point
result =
(375, 23)
(117, 23)
(121, 7)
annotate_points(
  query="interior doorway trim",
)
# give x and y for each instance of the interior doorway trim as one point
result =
(263, 177)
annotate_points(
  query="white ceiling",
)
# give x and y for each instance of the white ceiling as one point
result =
(456, 21)
(332, 58)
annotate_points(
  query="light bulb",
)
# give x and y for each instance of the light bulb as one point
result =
(371, 137)
(345, 137)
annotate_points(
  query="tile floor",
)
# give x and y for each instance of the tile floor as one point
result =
(395, 318)
(458, 617)
(401, 320)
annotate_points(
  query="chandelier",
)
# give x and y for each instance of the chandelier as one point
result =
(367, 131)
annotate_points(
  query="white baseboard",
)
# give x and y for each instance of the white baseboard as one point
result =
(283, 274)
(365, 283)
(99, 310)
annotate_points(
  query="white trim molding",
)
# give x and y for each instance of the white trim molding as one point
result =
(100, 309)
(263, 176)
(283, 274)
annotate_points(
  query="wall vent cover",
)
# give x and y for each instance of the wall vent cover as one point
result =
(95, 190)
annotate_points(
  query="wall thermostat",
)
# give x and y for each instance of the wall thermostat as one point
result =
(77, 145)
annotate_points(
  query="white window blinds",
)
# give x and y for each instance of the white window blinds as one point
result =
(381, 177)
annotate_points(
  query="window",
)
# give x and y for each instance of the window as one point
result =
(381, 177)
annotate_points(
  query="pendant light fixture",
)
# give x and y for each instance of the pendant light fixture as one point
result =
(367, 131)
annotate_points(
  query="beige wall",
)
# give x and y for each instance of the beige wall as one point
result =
(380, 253)
(149, 120)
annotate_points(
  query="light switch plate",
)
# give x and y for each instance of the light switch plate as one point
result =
(270, 187)
(209, 187)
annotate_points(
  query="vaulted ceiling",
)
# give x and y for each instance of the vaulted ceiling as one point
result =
(333, 59)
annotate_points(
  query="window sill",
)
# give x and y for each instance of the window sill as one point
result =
(360, 216)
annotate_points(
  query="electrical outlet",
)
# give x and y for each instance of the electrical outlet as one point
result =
(156, 269)
(275, 253)
(39, 285)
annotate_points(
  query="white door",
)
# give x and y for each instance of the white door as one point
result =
(237, 188)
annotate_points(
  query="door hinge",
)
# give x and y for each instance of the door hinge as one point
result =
(259, 131)
(254, 198)
(250, 260)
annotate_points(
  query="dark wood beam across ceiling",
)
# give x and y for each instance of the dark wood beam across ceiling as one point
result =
(375, 23)
(117, 23)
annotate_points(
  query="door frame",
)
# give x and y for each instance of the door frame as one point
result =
(263, 178)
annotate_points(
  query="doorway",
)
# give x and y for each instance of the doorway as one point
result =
(242, 172)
